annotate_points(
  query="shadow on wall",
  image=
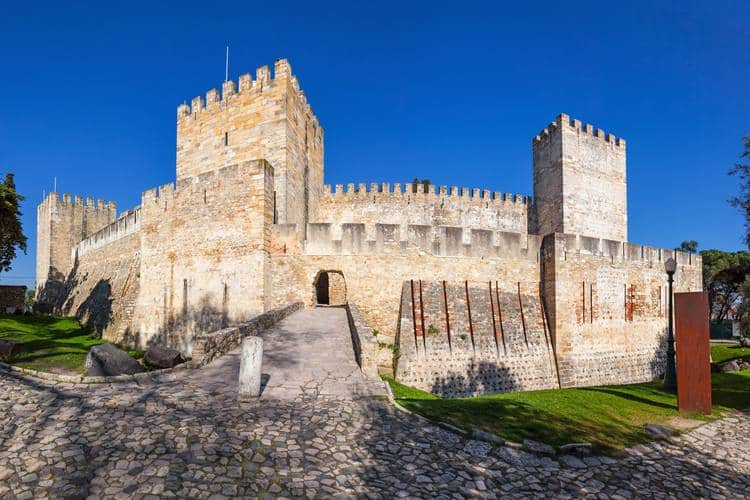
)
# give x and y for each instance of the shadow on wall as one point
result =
(96, 309)
(481, 377)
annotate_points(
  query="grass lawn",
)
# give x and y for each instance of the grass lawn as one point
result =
(51, 344)
(608, 417)
(722, 352)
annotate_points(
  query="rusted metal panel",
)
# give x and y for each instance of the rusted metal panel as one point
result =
(693, 352)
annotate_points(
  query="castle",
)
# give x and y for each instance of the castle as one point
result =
(467, 290)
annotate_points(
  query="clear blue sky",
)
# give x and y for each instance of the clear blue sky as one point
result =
(453, 92)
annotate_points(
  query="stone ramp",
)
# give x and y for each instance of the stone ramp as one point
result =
(309, 353)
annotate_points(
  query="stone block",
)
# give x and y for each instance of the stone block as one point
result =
(107, 360)
(251, 363)
(163, 357)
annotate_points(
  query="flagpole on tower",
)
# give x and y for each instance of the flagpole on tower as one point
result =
(226, 67)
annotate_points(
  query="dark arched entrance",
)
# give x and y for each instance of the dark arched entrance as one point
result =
(330, 288)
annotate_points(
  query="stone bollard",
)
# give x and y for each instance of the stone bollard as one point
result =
(251, 361)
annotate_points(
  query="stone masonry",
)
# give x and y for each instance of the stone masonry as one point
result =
(249, 226)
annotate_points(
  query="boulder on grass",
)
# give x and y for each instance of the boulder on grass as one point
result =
(106, 360)
(745, 342)
(731, 366)
(10, 348)
(163, 357)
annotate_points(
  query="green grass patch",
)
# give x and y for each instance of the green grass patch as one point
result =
(51, 344)
(608, 417)
(722, 352)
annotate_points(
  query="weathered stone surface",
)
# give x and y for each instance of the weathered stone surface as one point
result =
(745, 342)
(537, 447)
(107, 360)
(163, 357)
(580, 449)
(10, 348)
(251, 364)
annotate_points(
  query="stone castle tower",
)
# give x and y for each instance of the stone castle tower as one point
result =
(266, 118)
(62, 223)
(580, 181)
(516, 291)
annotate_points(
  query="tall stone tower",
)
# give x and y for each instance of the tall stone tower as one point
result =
(580, 181)
(61, 225)
(266, 118)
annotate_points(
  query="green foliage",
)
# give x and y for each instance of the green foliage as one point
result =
(11, 231)
(30, 294)
(723, 276)
(386, 345)
(375, 333)
(690, 246)
(416, 182)
(51, 344)
(742, 200)
(608, 417)
(432, 330)
(722, 352)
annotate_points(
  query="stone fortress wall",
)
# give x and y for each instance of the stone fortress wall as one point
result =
(516, 292)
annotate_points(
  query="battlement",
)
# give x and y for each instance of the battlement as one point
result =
(572, 244)
(207, 184)
(434, 194)
(564, 120)
(126, 224)
(440, 241)
(75, 200)
(264, 82)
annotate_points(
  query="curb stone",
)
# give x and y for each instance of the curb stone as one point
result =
(86, 380)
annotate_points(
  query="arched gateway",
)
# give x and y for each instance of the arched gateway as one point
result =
(330, 288)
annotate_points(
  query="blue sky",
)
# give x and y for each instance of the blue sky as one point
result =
(453, 92)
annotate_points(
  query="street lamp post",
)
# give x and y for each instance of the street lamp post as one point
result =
(670, 377)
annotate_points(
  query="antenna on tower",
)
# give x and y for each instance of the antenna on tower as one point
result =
(54, 185)
(226, 67)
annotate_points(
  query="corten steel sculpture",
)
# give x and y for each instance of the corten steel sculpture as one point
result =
(693, 353)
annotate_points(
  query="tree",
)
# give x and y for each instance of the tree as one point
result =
(742, 201)
(30, 294)
(11, 230)
(416, 182)
(723, 277)
(690, 246)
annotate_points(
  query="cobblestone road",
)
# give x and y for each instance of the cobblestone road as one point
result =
(185, 435)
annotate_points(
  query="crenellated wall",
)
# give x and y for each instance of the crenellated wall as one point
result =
(401, 204)
(126, 224)
(102, 288)
(607, 306)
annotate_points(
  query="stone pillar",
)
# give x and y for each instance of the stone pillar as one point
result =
(251, 361)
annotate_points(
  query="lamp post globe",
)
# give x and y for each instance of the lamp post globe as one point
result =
(670, 375)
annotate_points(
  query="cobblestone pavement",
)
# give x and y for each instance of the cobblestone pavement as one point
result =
(186, 435)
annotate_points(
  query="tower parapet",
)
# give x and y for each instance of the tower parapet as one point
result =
(580, 181)
(62, 222)
(263, 118)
